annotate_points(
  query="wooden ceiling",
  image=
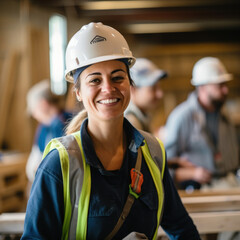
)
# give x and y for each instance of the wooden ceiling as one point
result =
(194, 18)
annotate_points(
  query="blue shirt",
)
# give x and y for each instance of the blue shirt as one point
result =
(45, 133)
(109, 190)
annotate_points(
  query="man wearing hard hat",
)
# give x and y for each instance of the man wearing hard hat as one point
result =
(200, 140)
(146, 93)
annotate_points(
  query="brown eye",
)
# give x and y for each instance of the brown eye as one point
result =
(94, 81)
(117, 78)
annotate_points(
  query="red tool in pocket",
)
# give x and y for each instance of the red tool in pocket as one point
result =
(137, 180)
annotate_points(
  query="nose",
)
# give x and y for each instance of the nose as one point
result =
(159, 93)
(108, 86)
(224, 89)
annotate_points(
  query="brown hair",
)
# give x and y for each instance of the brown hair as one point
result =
(76, 122)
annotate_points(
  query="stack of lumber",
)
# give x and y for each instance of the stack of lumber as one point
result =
(13, 181)
(213, 211)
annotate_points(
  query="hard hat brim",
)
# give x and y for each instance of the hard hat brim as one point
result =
(68, 74)
(221, 79)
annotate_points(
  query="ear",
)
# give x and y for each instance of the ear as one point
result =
(44, 104)
(132, 89)
(78, 95)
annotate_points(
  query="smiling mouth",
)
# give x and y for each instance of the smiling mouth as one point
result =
(109, 101)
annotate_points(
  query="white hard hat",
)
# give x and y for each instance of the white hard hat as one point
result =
(94, 43)
(209, 70)
(146, 73)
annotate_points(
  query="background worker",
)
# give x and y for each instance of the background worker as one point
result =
(48, 110)
(87, 177)
(145, 93)
(199, 138)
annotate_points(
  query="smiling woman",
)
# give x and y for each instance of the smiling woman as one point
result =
(105, 179)
(105, 90)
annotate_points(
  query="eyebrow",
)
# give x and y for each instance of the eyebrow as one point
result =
(118, 70)
(98, 73)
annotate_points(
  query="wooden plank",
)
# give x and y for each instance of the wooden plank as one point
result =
(206, 222)
(12, 173)
(8, 75)
(197, 193)
(12, 223)
(214, 222)
(224, 200)
(12, 189)
(14, 202)
(207, 204)
(217, 221)
(13, 181)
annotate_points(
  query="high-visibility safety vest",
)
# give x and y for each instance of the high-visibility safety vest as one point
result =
(77, 180)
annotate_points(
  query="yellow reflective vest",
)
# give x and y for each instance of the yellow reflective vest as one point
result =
(77, 180)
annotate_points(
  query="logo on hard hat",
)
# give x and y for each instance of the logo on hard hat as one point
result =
(77, 61)
(97, 39)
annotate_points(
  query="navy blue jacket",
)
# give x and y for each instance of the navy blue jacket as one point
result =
(109, 190)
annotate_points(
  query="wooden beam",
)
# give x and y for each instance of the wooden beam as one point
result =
(13, 182)
(12, 223)
(198, 201)
(214, 222)
(7, 83)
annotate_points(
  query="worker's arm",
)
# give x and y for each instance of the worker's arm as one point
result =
(45, 208)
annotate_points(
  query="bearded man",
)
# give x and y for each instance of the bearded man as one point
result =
(200, 141)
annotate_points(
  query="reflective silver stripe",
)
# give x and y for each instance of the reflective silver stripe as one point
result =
(154, 149)
(76, 174)
(157, 154)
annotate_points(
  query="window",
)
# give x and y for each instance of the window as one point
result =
(57, 47)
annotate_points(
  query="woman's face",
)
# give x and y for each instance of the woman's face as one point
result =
(105, 89)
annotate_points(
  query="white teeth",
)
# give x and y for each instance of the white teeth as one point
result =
(107, 101)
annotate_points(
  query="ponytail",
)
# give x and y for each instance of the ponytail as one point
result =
(76, 122)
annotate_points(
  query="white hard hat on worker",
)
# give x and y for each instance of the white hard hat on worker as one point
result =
(209, 70)
(95, 43)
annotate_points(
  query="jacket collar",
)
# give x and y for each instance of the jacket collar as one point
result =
(134, 141)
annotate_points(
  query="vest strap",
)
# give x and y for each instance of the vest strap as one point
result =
(133, 194)
(156, 153)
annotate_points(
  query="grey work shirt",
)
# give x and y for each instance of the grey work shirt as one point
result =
(137, 117)
(187, 135)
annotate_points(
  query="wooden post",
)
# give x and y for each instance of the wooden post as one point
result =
(7, 83)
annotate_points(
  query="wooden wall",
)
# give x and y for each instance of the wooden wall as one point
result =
(24, 60)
